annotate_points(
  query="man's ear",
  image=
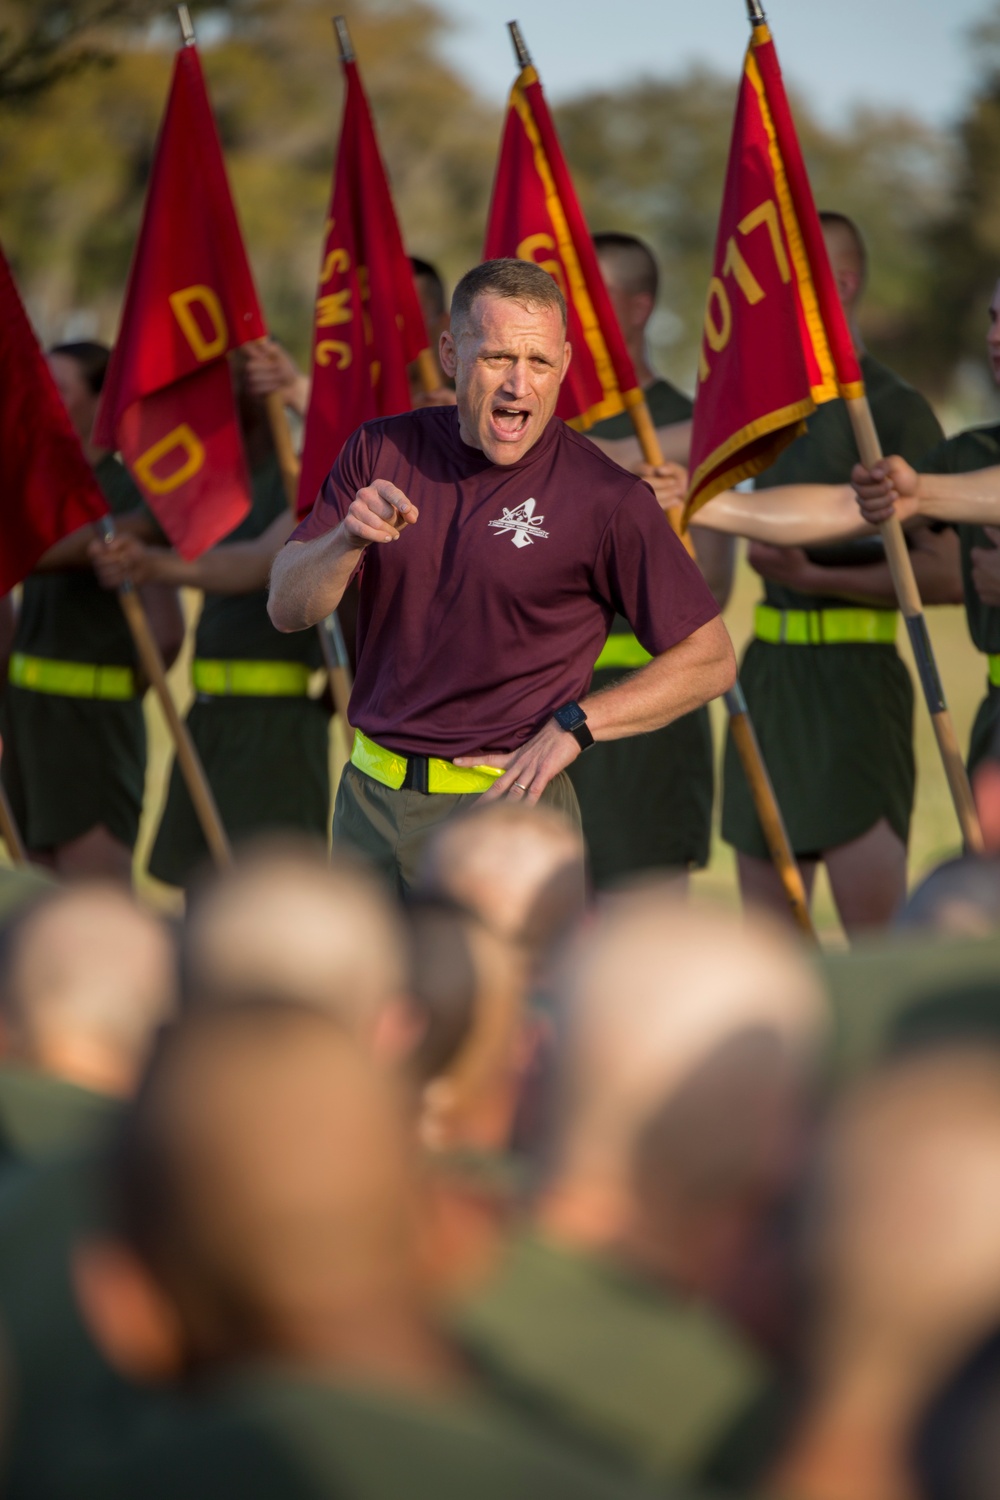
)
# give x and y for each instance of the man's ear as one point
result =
(127, 1315)
(567, 356)
(448, 354)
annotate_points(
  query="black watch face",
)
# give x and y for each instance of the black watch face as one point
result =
(570, 717)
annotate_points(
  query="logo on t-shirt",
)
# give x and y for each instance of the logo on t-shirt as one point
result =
(523, 522)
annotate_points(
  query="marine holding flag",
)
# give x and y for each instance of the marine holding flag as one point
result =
(74, 737)
(646, 802)
(831, 701)
(493, 548)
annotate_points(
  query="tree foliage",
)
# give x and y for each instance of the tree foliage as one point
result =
(76, 144)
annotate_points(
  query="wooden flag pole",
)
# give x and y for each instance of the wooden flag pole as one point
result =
(187, 756)
(744, 736)
(10, 833)
(908, 595)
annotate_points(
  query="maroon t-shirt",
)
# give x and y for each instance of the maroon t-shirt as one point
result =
(488, 614)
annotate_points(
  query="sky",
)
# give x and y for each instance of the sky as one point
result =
(906, 54)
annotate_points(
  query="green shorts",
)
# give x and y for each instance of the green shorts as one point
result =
(985, 727)
(72, 764)
(389, 828)
(267, 762)
(835, 725)
(646, 802)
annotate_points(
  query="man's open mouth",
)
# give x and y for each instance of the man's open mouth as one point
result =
(509, 421)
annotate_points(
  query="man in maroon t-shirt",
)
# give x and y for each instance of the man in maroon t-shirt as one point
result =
(493, 547)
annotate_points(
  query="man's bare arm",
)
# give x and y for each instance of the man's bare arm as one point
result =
(308, 579)
(935, 559)
(893, 487)
(674, 440)
(697, 669)
(236, 568)
(73, 551)
(791, 515)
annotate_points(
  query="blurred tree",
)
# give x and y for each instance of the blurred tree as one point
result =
(964, 247)
(651, 160)
(648, 156)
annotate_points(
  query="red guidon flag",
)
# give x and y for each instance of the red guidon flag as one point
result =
(535, 215)
(48, 487)
(168, 402)
(775, 342)
(368, 322)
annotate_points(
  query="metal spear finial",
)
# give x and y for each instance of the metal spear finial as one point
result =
(187, 29)
(343, 39)
(756, 13)
(520, 50)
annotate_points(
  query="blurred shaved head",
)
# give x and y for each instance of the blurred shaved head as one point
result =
(519, 869)
(286, 921)
(87, 977)
(266, 1177)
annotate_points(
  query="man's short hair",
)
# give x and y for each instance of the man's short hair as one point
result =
(830, 219)
(518, 280)
(634, 259)
(431, 274)
(92, 359)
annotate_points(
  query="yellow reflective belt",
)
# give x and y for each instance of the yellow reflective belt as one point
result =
(825, 627)
(622, 651)
(250, 679)
(71, 679)
(994, 670)
(389, 768)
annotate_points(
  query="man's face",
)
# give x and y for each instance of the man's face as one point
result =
(508, 362)
(78, 399)
(993, 335)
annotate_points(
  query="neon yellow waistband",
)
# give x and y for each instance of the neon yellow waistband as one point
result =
(825, 627)
(993, 666)
(622, 651)
(71, 679)
(389, 768)
(250, 679)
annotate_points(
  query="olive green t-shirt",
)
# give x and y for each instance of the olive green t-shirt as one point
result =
(236, 627)
(827, 452)
(979, 448)
(606, 1359)
(41, 1115)
(66, 615)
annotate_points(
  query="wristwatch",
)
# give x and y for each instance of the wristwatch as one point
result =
(572, 718)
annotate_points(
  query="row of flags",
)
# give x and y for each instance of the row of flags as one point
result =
(775, 340)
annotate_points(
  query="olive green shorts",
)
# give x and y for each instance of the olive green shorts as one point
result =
(835, 725)
(72, 764)
(267, 762)
(389, 828)
(646, 801)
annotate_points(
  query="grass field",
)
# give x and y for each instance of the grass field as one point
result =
(935, 831)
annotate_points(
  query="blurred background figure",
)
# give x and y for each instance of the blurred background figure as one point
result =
(286, 921)
(474, 1044)
(685, 1051)
(520, 870)
(646, 802)
(74, 738)
(86, 980)
(435, 307)
(269, 1226)
(86, 977)
(902, 1268)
